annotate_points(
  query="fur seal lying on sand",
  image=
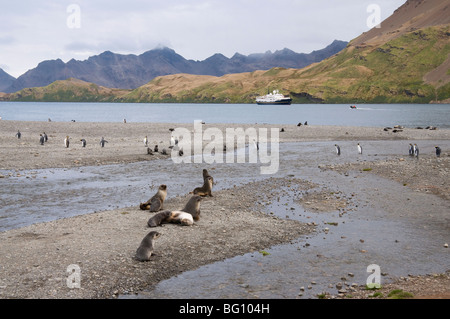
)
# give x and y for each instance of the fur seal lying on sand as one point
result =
(168, 216)
(185, 217)
(145, 249)
(156, 203)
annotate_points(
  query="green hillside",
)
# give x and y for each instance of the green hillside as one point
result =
(394, 72)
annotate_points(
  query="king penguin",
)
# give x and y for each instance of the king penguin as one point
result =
(66, 141)
(102, 142)
(41, 139)
(359, 149)
(438, 151)
(338, 149)
(83, 142)
(411, 150)
(18, 134)
(146, 141)
(416, 150)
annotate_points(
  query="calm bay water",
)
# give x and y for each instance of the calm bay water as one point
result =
(378, 115)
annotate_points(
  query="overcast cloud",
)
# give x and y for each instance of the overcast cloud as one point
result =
(35, 30)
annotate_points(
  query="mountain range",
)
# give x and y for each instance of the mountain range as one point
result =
(406, 60)
(131, 71)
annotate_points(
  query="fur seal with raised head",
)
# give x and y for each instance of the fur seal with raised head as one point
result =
(208, 182)
(156, 202)
(145, 249)
(193, 206)
(206, 189)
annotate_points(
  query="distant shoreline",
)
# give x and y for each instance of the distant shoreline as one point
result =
(125, 140)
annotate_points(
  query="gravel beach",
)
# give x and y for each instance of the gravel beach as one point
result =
(35, 259)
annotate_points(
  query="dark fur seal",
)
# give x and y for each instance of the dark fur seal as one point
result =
(156, 203)
(193, 206)
(206, 174)
(145, 249)
(206, 189)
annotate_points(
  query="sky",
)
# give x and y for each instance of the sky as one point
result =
(32, 31)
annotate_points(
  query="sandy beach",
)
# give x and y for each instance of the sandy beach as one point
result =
(35, 258)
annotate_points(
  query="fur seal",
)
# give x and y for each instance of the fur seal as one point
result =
(156, 202)
(193, 206)
(145, 249)
(206, 189)
(168, 216)
(206, 174)
(186, 216)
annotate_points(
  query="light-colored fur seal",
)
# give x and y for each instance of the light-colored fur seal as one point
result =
(168, 216)
(145, 249)
(156, 203)
(185, 217)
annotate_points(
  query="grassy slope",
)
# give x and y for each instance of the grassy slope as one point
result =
(70, 90)
(391, 73)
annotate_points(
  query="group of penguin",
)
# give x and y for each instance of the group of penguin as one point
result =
(413, 150)
(338, 149)
(43, 138)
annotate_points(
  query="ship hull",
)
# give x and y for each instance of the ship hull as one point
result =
(281, 102)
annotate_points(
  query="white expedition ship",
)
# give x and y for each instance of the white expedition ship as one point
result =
(274, 98)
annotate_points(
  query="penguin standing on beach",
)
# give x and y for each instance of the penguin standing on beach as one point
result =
(416, 150)
(66, 141)
(41, 139)
(102, 142)
(438, 151)
(359, 149)
(411, 150)
(146, 141)
(83, 142)
(338, 149)
(18, 134)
